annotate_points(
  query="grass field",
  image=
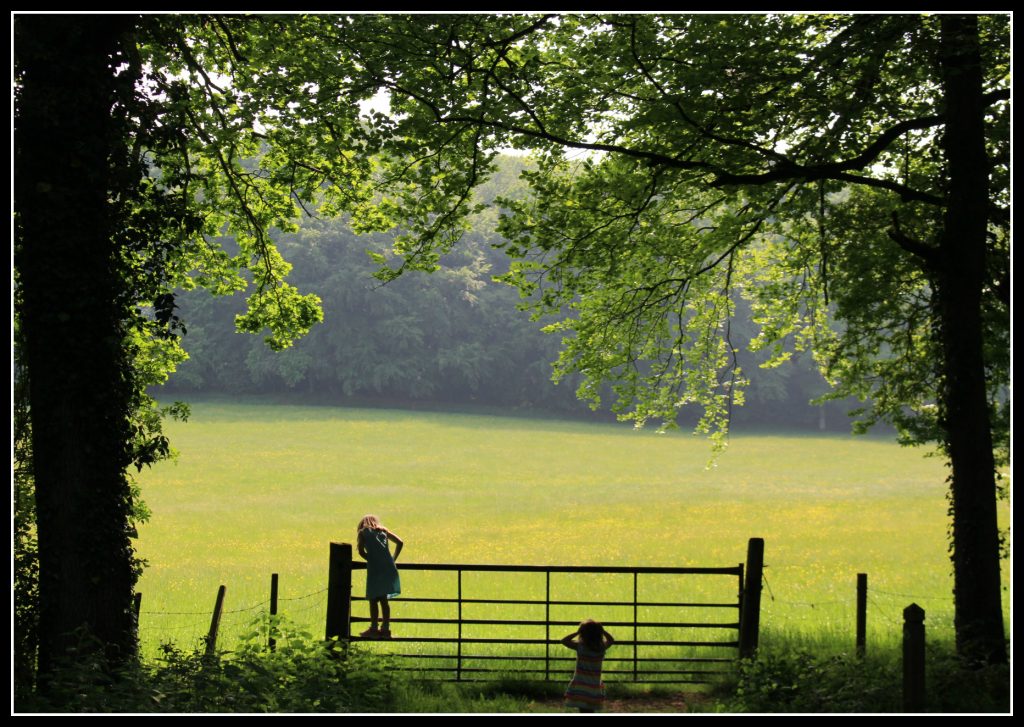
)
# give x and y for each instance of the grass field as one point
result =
(261, 489)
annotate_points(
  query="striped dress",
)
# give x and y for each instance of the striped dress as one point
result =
(586, 690)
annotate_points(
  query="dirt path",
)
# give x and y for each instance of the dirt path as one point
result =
(649, 704)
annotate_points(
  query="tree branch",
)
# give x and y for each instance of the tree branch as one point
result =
(915, 247)
(1000, 94)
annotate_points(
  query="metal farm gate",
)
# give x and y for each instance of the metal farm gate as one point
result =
(657, 640)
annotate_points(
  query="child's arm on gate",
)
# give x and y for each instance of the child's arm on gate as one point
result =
(360, 546)
(397, 541)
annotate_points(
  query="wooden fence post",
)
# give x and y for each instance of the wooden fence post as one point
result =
(211, 638)
(750, 607)
(913, 658)
(271, 641)
(136, 608)
(862, 613)
(339, 592)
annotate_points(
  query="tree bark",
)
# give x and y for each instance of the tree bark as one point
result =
(73, 317)
(961, 276)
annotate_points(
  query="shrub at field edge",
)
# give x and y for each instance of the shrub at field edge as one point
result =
(797, 681)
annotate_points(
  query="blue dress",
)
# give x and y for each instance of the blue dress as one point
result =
(381, 572)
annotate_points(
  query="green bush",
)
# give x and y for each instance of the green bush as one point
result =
(953, 687)
(798, 681)
(301, 675)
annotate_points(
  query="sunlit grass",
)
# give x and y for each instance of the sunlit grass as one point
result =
(262, 489)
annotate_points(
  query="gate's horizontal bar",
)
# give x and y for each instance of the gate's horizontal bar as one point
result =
(653, 659)
(559, 603)
(470, 567)
(610, 681)
(618, 642)
(516, 622)
(517, 672)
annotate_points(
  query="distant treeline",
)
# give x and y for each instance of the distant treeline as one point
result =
(454, 337)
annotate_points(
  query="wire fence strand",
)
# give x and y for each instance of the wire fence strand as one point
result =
(191, 628)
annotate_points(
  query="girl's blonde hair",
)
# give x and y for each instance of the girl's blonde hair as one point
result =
(369, 522)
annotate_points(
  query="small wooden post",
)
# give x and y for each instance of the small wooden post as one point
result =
(339, 592)
(750, 610)
(913, 658)
(862, 613)
(211, 638)
(271, 641)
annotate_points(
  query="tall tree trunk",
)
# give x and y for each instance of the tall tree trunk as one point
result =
(73, 315)
(979, 615)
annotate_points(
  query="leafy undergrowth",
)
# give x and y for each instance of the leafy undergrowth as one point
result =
(798, 681)
(303, 675)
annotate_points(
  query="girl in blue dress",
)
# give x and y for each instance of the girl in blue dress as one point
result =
(382, 580)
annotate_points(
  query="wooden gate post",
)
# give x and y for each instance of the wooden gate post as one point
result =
(750, 606)
(339, 592)
(913, 658)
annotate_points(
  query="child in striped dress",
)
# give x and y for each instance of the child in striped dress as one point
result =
(586, 690)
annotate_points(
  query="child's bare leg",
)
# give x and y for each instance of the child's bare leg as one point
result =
(385, 609)
(373, 612)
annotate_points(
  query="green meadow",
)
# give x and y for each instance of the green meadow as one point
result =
(261, 489)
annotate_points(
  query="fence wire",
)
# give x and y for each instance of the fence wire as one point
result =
(188, 630)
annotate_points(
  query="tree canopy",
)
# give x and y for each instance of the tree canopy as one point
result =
(450, 338)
